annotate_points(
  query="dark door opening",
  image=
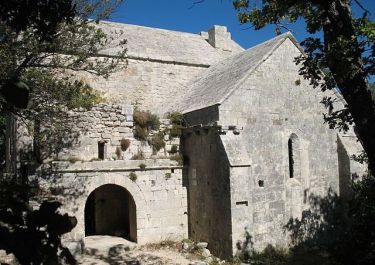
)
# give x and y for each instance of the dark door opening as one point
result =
(101, 149)
(111, 210)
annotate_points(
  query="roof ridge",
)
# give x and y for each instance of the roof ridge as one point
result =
(148, 27)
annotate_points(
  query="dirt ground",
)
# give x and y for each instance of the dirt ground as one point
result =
(102, 250)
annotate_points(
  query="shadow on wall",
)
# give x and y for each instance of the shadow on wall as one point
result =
(34, 235)
(333, 231)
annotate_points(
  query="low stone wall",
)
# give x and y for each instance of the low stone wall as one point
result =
(158, 192)
(110, 124)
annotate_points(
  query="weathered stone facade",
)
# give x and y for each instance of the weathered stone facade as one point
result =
(277, 151)
(254, 145)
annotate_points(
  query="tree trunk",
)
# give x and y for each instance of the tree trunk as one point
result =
(349, 73)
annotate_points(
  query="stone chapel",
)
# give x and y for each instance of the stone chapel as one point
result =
(253, 146)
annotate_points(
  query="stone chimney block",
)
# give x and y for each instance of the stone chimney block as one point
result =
(204, 35)
(219, 37)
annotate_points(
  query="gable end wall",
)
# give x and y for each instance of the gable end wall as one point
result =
(271, 105)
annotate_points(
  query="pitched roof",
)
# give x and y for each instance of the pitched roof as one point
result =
(220, 80)
(163, 45)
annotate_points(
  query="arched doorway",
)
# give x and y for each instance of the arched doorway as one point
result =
(111, 210)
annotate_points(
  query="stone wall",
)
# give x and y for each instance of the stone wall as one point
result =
(157, 190)
(277, 151)
(110, 124)
(208, 190)
(153, 180)
(147, 84)
(271, 107)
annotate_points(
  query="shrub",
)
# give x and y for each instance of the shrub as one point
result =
(168, 175)
(142, 166)
(177, 120)
(177, 158)
(174, 149)
(157, 142)
(118, 152)
(73, 159)
(140, 118)
(138, 156)
(153, 121)
(133, 176)
(175, 131)
(124, 143)
(146, 119)
(140, 133)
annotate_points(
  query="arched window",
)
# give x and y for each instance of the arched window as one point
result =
(294, 156)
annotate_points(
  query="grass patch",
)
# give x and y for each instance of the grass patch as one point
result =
(138, 156)
(133, 177)
(157, 142)
(178, 158)
(174, 149)
(124, 144)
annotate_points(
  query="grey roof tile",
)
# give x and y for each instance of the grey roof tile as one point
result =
(163, 45)
(217, 82)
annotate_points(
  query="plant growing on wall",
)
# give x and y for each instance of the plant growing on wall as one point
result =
(178, 158)
(133, 177)
(124, 143)
(177, 120)
(138, 156)
(157, 142)
(144, 122)
(118, 152)
(174, 149)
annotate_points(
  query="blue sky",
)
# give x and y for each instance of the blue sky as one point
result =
(181, 16)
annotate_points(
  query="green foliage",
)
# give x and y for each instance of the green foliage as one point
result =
(144, 122)
(142, 166)
(62, 93)
(42, 45)
(154, 122)
(168, 176)
(372, 90)
(178, 158)
(177, 120)
(138, 156)
(73, 159)
(118, 152)
(33, 236)
(42, 18)
(157, 142)
(140, 133)
(345, 51)
(146, 119)
(133, 177)
(174, 149)
(124, 143)
(175, 131)
(79, 39)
